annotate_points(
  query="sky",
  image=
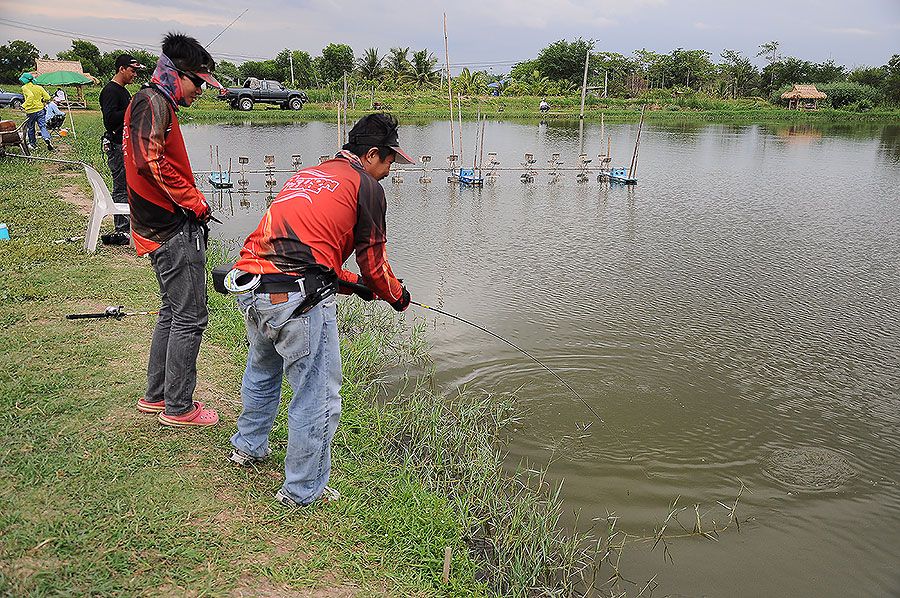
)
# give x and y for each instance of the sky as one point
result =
(483, 34)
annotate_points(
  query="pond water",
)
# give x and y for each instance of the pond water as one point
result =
(734, 318)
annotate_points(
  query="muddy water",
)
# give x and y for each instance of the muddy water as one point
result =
(735, 318)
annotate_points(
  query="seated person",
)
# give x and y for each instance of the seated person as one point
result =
(55, 117)
(544, 107)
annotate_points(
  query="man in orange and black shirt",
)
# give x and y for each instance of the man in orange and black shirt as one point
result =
(321, 216)
(168, 222)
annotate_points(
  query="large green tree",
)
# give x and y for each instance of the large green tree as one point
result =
(739, 74)
(16, 57)
(261, 69)
(336, 60)
(87, 54)
(304, 75)
(564, 60)
(891, 85)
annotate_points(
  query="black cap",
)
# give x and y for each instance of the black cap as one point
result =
(379, 130)
(126, 60)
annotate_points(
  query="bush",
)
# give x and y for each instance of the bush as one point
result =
(841, 94)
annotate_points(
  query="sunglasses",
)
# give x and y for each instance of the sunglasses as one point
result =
(196, 80)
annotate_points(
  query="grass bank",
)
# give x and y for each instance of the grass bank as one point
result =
(96, 498)
(432, 104)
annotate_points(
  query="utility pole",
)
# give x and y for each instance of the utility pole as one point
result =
(605, 80)
(291, 59)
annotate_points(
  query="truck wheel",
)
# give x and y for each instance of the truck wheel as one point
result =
(246, 103)
(296, 103)
(15, 104)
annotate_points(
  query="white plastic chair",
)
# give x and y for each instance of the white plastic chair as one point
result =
(103, 206)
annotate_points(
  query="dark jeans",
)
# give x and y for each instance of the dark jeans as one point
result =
(116, 162)
(180, 266)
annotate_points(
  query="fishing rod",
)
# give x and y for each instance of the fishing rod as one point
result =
(517, 348)
(227, 27)
(113, 312)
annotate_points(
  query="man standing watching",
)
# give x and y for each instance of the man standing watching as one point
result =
(35, 98)
(168, 221)
(114, 101)
(321, 216)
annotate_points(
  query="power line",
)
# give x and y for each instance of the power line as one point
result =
(112, 41)
(105, 40)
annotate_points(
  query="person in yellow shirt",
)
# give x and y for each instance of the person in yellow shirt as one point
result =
(35, 98)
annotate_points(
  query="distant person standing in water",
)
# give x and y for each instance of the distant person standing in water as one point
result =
(114, 100)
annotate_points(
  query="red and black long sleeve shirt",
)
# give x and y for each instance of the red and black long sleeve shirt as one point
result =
(161, 188)
(321, 216)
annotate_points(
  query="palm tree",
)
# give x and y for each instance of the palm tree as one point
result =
(469, 83)
(369, 66)
(397, 63)
(422, 71)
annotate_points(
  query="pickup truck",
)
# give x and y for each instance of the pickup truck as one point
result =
(11, 99)
(263, 91)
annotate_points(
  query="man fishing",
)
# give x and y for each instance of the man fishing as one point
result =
(293, 259)
(168, 222)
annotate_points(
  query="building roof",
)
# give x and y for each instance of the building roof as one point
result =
(803, 92)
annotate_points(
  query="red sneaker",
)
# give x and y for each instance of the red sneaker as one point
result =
(198, 416)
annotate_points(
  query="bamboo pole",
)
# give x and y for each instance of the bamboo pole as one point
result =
(481, 155)
(637, 143)
(475, 149)
(459, 114)
(587, 56)
(449, 85)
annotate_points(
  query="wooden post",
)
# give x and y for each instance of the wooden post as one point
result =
(448, 555)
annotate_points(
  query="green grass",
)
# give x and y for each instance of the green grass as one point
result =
(96, 498)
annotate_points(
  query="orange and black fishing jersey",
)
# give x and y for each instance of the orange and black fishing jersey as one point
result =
(321, 216)
(161, 187)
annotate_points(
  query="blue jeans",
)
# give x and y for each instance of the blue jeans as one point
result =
(306, 350)
(37, 118)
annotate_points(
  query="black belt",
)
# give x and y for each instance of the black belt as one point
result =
(284, 287)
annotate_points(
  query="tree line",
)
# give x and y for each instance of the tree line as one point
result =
(556, 70)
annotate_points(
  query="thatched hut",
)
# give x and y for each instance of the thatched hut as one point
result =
(803, 97)
(44, 66)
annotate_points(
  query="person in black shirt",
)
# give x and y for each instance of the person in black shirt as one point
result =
(114, 100)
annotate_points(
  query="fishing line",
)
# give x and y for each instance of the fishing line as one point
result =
(517, 348)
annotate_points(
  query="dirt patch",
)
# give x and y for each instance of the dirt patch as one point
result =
(77, 197)
(254, 587)
(20, 570)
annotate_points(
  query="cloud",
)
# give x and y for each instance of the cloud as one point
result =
(130, 12)
(850, 31)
